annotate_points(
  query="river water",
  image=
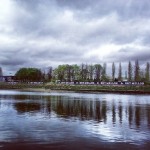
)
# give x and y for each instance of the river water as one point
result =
(73, 121)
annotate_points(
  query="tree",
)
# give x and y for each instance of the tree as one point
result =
(29, 74)
(98, 71)
(142, 75)
(59, 72)
(83, 72)
(129, 71)
(91, 72)
(137, 71)
(75, 72)
(104, 78)
(113, 71)
(1, 72)
(147, 71)
(68, 72)
(120, 72)
(49, 74)
(86, 72)
(126, 75)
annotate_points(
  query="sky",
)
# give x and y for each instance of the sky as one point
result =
(43, 33)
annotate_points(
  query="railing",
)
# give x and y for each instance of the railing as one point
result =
(104, 83)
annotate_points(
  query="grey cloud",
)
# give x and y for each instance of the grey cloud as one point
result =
(62, 54)
(31, 15)
(12, 58)
(49, 32)
(12, 62)
(124, 55)
(33, 24)
(125, 8)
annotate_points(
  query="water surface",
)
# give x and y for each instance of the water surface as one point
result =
(35, 120)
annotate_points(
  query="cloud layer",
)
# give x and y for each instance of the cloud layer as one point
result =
(37, 33)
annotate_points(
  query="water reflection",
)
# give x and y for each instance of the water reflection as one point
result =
(60, 118)
(27, 107)
(84, 109)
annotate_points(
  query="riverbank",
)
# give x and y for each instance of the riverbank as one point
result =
(84, 91)
(101, 88)
(77, 88)
(11, 85)
(36, 90)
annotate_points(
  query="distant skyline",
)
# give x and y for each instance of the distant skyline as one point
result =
(42, 33)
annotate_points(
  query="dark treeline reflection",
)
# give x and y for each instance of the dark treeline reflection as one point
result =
(84, 109)
(27, 107)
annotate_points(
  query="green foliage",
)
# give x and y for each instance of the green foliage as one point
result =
(113, 71)
(129, 71)
(137, 71)
(99, 88)
(28, 74)
(76, 71)
(66, 72)
(84, 73)
(91, 72)
(59, 72)
(1, 72)
(104, 76)
(98, 71)
(147, 72)
(120, 72)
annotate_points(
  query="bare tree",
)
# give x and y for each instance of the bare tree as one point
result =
(49, 74)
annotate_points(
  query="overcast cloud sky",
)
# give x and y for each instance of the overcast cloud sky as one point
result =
(42, 33)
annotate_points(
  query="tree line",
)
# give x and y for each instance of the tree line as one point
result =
(85, 73)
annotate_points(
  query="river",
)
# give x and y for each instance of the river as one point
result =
(72, 121)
